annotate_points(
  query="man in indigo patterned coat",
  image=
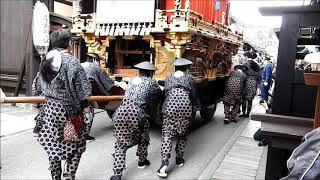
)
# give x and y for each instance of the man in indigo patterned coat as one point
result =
(252, 82)
(131, 119)
(99, 80)
(233, 93)
(177, 113)
(66, 88)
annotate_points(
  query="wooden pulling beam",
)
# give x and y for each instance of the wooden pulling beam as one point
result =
(41, 99)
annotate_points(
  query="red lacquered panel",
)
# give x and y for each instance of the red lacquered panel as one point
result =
(205, 7)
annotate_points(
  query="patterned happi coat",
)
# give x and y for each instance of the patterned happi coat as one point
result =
(177, 107)
(96, 74)
(234, 88)
(251, 85)
(64, 94)
(131, 118)
(36, 86)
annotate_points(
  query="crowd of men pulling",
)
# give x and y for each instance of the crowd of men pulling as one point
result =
(250, 74)
(65, 119)
(63, 122)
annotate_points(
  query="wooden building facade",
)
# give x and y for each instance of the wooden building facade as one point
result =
(16, 39)
(18, 56)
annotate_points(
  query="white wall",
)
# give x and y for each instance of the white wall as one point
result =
(115, 11)
(63, 9)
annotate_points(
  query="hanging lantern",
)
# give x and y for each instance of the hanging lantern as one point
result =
(40, 28)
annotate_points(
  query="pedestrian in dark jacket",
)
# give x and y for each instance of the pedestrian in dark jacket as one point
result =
(131, 119)
(177, 113)
(266, 80)
(233, 93)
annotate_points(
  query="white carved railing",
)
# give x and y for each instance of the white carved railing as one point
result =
(178, 22)
(166, 22)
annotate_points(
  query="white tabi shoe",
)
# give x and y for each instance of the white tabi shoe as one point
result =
(162, 172)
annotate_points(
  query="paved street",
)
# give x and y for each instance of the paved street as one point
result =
(17, 120)
(23, 158)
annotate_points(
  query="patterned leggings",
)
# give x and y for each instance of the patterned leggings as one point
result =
(39, 118)
(166, 145)
(119, 157)
(246, 109)
(70, 169)
(231, 114)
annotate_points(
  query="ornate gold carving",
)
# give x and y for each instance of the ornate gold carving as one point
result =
(98, 46)
(162, 62)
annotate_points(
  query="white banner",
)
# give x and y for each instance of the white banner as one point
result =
(125, 11)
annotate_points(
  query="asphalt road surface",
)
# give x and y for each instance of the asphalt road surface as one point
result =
(23, 158)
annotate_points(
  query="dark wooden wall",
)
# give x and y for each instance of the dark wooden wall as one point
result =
(16, 19)
(292, 96)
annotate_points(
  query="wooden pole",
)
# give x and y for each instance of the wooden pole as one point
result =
(105, 98)
(317, 111)
(313, 79)
(21, 75)
(40, 99)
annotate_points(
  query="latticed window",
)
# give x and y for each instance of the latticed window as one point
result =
(196, 70)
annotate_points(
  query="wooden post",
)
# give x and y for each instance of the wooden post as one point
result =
(313, 79)
(118, 56)
(177, 7)
(285, 65)
(317, 111)
(21, 75)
